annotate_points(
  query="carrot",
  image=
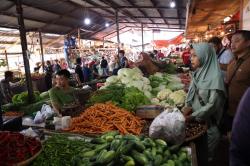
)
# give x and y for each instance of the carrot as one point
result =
(103, 117)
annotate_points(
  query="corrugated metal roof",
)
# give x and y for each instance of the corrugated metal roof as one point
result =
(65, 16)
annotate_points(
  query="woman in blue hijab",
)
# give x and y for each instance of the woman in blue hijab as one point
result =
(207, 93)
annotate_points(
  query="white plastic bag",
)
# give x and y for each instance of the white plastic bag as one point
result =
(66, 122)
(45, 113)
(169, 126)
(29, 132)
(58, 123)
(62, 122)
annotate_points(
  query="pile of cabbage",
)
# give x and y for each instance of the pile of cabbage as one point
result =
(161, 88)
(131, 78)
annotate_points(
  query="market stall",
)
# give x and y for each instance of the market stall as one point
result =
(132, 118)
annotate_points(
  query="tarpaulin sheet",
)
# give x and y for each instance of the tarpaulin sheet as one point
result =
(165, 43)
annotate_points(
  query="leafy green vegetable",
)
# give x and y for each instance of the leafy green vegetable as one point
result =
(126, 97)
(133, 98)
(170, 68)
(113, 93)
(23, 97)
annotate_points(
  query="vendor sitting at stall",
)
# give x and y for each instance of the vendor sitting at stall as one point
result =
(62, 94)
(5, 87)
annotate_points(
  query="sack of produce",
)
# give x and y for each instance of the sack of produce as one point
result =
(169, 126)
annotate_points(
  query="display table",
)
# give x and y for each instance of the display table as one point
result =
(12, 123)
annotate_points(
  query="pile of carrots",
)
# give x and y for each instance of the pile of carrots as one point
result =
(103, 117)
(12, 113)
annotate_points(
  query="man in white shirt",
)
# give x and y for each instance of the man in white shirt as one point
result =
(224, 55)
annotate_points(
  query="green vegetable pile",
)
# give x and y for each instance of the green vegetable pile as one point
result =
(59, 150)
(125, 97)
(20, 103)
(111, 149)
(170, 68)
(22, 98)
(155, 80)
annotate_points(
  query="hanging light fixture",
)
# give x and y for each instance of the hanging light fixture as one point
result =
(86, 17)
(172, 4)
(106, 24)
(87, 21)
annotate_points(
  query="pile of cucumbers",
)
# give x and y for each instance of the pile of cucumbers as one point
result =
(113, 149)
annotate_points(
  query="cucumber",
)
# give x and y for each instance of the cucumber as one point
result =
(150, 141)
(139, 146)
(115, 144)
(101, 147)
(139, 157)
(130, 163)
(183, 156)
(160, 142)
(101, 154)
(118, 137)
(119, 149)
(174, 156)
(146, 143)
(153, 151)
(89, 153)
(112, 163)
(107, 157)
(131, 137)
(127, 148)
(159, 150)
(170, 163)
(109, 138)
(165, 164)
(167, 154)
(126, 158)
(98, 141)
(110, 133)
(158, 160)
(148, 154)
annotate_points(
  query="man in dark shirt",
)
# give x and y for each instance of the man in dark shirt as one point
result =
(238, 72)
(57, 66)
(5, 86)
(48, 74)
(79, 71)
(104, 66)
(123, 59)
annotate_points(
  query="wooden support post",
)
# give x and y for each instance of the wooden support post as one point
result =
(24, 49)
(117, 29)
(142, 38)
(6, 59)
(41, 47)
(79, 37)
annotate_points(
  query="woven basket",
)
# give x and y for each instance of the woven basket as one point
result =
(203, 131)
(28, 161)
(149, 111)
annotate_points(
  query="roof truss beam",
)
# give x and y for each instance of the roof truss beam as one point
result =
(160, 13)
(143, 12)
